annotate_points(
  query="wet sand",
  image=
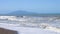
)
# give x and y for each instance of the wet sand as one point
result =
(6, 31)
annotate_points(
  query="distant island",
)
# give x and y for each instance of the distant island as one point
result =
(26, 13)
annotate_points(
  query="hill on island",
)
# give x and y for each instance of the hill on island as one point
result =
(22, 13)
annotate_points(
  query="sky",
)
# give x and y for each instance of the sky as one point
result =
(39, 6)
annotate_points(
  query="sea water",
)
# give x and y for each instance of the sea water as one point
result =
(49, 23)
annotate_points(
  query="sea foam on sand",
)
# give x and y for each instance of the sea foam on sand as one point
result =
(27, 30)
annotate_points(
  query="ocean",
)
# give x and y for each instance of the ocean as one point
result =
(50, 23)
(54, 21)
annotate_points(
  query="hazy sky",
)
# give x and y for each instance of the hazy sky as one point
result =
(40, 6)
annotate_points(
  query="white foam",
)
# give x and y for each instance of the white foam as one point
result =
(27, 30)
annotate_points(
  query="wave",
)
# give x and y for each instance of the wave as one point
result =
(47, 23)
